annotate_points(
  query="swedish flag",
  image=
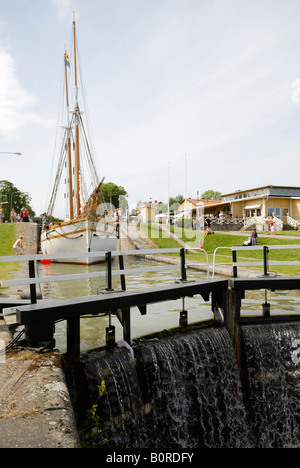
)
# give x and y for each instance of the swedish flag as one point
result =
(67, 59)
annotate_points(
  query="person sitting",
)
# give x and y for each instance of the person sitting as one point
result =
(248, 241)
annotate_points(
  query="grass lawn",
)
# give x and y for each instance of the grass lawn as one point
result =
(212, 241)
(7, 240)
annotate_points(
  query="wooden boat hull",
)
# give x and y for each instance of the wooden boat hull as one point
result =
(80, 236)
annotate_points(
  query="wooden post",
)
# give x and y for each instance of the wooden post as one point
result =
(77, 114)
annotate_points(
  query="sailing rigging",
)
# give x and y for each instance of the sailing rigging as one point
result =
(92, 227)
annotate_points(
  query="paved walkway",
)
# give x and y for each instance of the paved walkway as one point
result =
(35, 405)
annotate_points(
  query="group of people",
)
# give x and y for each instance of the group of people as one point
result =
(252, 240)
(270, 222)
(23, 216)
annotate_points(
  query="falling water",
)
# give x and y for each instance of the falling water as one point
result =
(182, 391)
(191, 384)
(120, 408)
(272, 383)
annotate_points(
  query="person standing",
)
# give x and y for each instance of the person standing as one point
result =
(25, 215)
(266, 226)
(2, 215)
(254, 237)
(272, 226)
(13, 216)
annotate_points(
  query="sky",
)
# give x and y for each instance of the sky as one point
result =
(184, 96)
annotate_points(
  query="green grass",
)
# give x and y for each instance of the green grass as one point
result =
(212, 241)
(7, 240)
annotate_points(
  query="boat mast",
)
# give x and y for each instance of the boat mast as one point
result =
(77, 121)
(69, 146)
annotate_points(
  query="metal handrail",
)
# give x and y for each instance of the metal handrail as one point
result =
(221, 263)
(196, 264)
(115, 253)
(235, 263)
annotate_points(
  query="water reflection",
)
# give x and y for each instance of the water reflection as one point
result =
(159, 316)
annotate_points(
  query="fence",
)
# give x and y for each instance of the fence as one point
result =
(33, 279)
(265, 262)
(39, 317)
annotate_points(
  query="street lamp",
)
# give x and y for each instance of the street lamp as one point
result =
(6, 152)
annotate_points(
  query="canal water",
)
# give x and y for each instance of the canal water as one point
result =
(159, 316)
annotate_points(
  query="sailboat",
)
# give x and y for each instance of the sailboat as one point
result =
(89, 226)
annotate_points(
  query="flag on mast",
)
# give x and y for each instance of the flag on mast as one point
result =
(67, 59)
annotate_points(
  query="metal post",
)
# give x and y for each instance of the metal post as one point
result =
(110, 334)
(183, 319)
(122, 277)
(126, 318)
(183, 269)
(234, 258)
(73, 338)
(127, 325)
(266, 251)
(266, 307)
(108, 271)
(32, 286)
(232, 320)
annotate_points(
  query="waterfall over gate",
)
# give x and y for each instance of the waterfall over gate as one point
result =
(272, 383)
(182, 391)
(187, 391)
(190, 383)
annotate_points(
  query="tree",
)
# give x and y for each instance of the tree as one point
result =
(112, 193)
(14, 198)
(176, 201)
(211, 195)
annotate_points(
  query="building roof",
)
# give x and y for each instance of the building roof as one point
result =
(150, 204)
(260, 188)
(201, 201)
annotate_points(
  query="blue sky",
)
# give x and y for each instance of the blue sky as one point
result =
(215, 80)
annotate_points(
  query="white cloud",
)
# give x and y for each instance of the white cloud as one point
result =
(14, 100)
